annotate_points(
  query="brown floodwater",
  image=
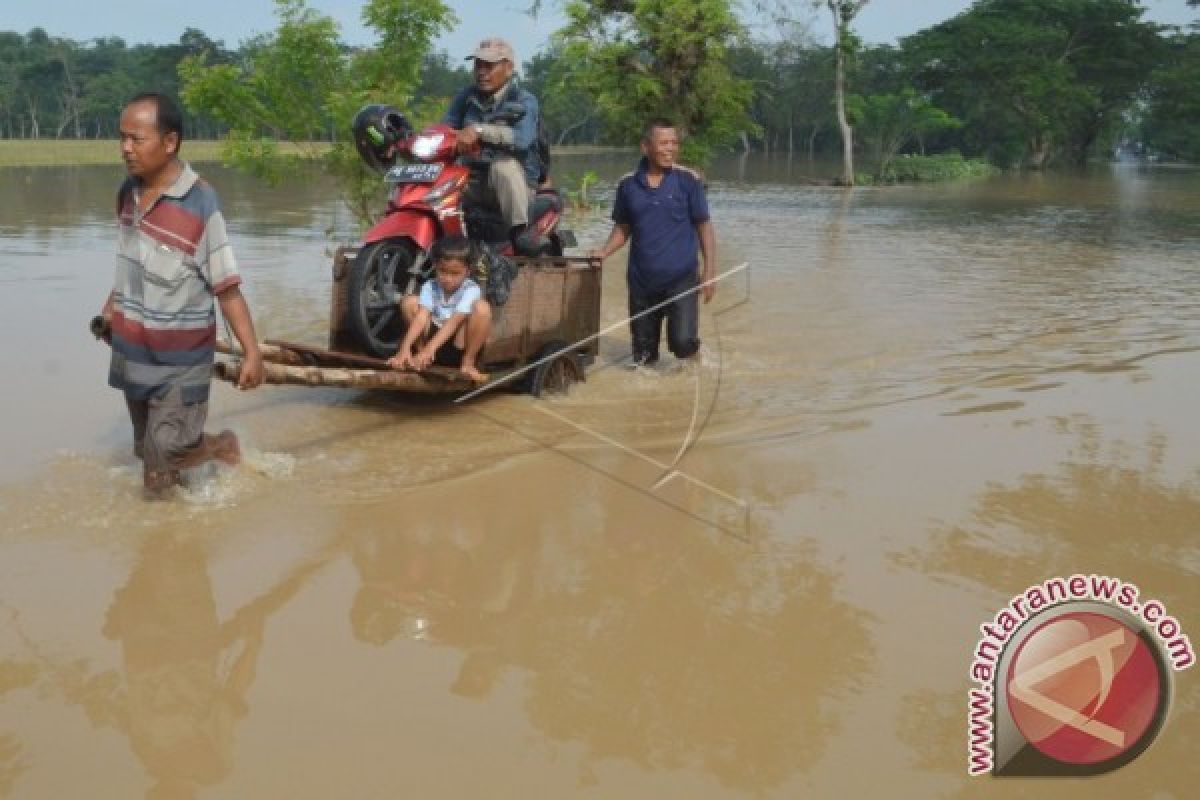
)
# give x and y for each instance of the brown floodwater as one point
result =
(762, 575)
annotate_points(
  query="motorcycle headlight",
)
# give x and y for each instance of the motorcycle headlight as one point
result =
(427, 146)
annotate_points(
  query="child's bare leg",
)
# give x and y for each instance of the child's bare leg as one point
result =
(409, 306)
(479, 325)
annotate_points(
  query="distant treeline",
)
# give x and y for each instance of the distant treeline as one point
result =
(53, 88)
(1017, 81)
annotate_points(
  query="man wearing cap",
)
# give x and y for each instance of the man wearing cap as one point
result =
(481, 115)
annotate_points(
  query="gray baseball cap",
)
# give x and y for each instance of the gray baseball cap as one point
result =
(494, 49)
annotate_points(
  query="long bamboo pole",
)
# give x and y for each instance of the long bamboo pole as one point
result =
(301, 355)
(348, 378)
(284, 365)
(270, 353)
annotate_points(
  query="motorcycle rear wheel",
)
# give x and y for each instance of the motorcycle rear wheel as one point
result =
(374, 287)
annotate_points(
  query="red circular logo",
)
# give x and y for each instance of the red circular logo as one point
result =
(1084, 688)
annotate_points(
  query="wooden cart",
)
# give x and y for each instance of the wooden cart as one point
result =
(541, 340)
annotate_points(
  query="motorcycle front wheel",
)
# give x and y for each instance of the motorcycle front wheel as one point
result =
(374, 288)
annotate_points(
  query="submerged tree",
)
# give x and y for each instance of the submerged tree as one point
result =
(891, 121)
(1032, 79)
(644, 58)
(1171, 123)
(298, 84)
(844, 45)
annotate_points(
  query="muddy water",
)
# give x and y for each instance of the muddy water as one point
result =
(762, 575)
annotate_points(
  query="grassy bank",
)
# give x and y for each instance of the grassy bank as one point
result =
(925, 169)
(62, 152)
(65, 152)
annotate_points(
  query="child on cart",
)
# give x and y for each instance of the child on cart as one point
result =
(448, 322)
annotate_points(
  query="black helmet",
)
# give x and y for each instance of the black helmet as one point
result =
(377, 128)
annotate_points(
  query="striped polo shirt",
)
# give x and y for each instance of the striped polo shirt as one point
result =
(171, 261)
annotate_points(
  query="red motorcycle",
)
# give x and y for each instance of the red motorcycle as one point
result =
(425, 203)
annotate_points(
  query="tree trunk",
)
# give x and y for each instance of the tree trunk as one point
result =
(1039, 151)
(34, 130)
(63, 121)
(562, 136)
(839, 89)
(69, 99)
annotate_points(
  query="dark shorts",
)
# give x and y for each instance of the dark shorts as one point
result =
(681, 311)
(165, 429)
(448, 355)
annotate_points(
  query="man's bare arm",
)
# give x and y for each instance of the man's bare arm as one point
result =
(617, 238)
(237, 314)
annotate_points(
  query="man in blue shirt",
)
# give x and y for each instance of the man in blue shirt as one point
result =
(662, 208)
(482, 115)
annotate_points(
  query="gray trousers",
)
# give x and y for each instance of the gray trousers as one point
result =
(165, 429)
(506, 190)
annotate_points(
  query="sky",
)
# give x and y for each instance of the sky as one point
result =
(154, 21)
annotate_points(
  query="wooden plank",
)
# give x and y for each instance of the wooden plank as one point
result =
(331, 358)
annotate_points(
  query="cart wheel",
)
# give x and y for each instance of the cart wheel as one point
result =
(372, 294)
(554, 375)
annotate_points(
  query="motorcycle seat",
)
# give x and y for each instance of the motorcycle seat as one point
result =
(545, 201)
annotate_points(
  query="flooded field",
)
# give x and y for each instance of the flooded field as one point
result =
(758, 576)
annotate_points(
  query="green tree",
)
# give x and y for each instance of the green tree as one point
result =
(804, 85)
(299, 84)
(568, 112)
(11, 47)
(35, 81)
(1033, 79)
(439, 80)
(107, 84)
(754, 63)
(889, 122)
(643, 58)
(1172, 117)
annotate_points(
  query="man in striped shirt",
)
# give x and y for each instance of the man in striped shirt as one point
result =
(173, 259)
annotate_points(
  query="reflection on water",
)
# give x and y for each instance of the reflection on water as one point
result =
(931, 398)
(184, 673)
(180, 703)
(14, 675)
(1102, 510)
(698, 637)
(1108, 510)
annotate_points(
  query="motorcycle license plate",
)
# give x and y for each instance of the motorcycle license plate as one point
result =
(413, 173)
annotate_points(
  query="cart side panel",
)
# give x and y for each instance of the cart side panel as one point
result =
(546, 308)
(553, 298)
(581, 308)
(340, 337)
(509, 322)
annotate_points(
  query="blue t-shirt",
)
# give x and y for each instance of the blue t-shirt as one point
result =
(441, 307)
(665, 246)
